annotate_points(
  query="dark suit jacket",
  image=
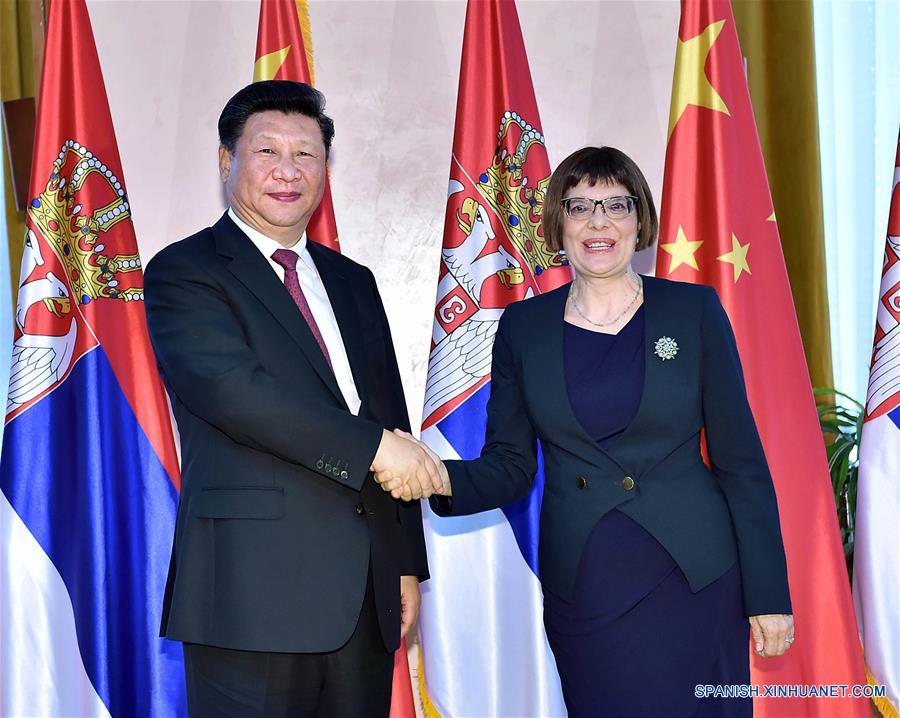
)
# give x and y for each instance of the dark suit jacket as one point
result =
(279, 514)
(653, 472)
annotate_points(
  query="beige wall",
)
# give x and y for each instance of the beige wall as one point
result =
(602, 74)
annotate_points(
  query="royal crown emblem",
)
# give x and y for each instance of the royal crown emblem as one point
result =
(515, 196)
(74, 231)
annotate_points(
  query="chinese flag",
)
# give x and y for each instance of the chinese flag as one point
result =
(281, 54)
(718, 227)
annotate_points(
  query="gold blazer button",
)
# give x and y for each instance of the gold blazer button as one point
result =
(628, 483)
(581, 482)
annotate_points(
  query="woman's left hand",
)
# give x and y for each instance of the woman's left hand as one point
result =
(773, 634)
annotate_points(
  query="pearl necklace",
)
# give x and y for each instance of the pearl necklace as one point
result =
(640, 288)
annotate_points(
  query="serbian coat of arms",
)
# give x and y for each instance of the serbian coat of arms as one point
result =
(69, 262)
(493, 254)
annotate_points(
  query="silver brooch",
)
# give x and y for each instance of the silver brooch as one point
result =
(666, 348)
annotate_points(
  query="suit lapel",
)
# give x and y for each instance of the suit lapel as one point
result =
(666, 383)
(552, 357)
(252, 269)
(629, 449)
(340, 294)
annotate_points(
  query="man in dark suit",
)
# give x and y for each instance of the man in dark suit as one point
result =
(292, 575)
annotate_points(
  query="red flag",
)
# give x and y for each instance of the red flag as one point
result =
(402, 703)
(282, 54)
(718, 227)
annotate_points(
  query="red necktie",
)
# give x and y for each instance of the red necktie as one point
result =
(288, 260)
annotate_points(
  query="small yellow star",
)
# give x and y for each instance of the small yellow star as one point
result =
(682, 251)
(737, 257)
(268, 66)
(692, 87)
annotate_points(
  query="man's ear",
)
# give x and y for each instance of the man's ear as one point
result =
(224, 162)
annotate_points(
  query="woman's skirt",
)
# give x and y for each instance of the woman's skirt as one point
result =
(635, 641)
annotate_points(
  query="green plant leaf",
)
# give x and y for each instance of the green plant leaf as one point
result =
(841, 420)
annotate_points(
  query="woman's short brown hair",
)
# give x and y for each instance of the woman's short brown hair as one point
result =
(598, 165)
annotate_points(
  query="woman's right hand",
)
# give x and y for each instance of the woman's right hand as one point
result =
(773, 634)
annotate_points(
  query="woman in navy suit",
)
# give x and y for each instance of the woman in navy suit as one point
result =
(651, 563)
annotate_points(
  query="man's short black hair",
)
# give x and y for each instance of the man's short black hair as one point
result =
(292, 98)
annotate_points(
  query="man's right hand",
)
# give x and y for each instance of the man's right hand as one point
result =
(405, 469)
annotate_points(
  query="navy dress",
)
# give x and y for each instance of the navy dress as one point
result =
(635, 641)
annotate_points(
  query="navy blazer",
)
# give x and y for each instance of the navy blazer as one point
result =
(653, 472)
(279, 519)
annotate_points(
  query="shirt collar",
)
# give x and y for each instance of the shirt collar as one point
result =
(265, 244)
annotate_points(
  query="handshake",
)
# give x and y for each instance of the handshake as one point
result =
(407, 469)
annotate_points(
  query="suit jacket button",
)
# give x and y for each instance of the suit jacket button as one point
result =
(336, 471)
(320, 464)
(628, 483)
(345, 475)
(359, 509)
(581, 482)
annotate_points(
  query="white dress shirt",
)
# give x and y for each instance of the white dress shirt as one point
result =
(317, 298)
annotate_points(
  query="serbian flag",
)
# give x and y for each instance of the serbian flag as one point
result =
(483, 641)
(876, 555)
(89, 475)
(718, 227)
(284, 52)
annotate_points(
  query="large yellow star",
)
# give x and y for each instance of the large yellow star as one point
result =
(737, 257)
(682, 251)
(692, 87)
